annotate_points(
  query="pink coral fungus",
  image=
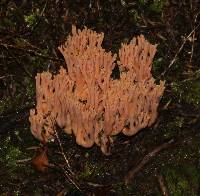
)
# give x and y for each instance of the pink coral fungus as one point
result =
(86, 101)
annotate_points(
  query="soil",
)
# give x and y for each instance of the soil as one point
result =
(163, 159)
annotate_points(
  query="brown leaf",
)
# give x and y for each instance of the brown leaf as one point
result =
(62, 192)
(40, 161)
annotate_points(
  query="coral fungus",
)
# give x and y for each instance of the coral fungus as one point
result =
(85, 100)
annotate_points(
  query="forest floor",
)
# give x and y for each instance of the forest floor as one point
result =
(160, 160)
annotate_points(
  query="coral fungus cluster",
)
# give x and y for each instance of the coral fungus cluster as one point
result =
(85, 100)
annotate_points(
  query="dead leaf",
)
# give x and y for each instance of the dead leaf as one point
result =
(63, 192)
(40, 161)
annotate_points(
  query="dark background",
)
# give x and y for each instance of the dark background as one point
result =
(31, 31)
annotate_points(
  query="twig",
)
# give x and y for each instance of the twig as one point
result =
(193, 39)
(179, 50)
(95, 184)
(192, 50)
(2, 77)
(68, 173)
(45, 5)
(70, 179)
(27, 160)
(62, 152)
(30, 52)
(147, 158)
(17, 61)
(131, 174)
(161, 182)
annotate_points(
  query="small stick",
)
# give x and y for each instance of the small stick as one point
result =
(33, 52)
(63, 153)
(21, 161)
(17, 61)
(179, 50)
(192, 50)
(2, 77)
(131, 174)
(69, 174)
(161, 182)
(70, 179)
(193, 39)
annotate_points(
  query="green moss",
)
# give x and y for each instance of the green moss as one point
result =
(177, 123)
(30, 89)
(142, 2)
(13, 104)
(157, 5)
(31, 20)
(134, 15)
(187, 91)
(182, 180)
(20, 99)
(122, 189)
(173, 127)
(20, 42)
(14, 172)
(91, 170)
(192, 94)
(88, 171)
(9, 154)
(4, 104)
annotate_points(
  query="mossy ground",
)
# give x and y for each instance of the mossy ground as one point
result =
(35, 30)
